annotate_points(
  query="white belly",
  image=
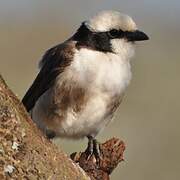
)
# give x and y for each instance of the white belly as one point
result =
(103, 77)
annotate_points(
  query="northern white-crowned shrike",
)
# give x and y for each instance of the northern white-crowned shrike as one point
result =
(82, 81)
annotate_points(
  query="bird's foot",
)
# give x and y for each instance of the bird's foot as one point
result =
(50, 134)
(93, 149)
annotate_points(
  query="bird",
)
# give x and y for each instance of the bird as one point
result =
(82, 81)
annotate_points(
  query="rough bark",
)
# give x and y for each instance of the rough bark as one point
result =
(26, 154)
(111, 154)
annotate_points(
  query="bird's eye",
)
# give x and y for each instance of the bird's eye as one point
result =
(114, 33)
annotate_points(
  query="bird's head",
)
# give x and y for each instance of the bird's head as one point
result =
(109, 31)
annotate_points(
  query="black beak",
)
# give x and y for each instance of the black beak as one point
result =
(136, 36)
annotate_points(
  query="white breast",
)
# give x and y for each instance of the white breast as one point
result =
(108, 72)
(103, 75)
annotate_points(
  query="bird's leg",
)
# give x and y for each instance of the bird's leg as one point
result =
(89, 150)
(96, 149)
(93, 148)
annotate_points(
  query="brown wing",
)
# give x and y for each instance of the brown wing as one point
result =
(52, 64)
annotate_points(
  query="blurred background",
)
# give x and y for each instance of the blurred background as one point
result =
(149, 117)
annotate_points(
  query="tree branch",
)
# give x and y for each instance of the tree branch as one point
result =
(24, 152)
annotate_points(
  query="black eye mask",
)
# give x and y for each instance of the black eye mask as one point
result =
(100, 41)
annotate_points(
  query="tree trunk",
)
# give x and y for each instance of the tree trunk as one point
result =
(26, 154)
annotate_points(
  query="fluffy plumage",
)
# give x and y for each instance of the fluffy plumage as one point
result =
(82, 81)
(107, 20)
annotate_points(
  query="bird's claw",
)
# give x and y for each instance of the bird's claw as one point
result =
(93, 149)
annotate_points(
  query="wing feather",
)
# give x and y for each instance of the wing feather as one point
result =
(52, 64)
